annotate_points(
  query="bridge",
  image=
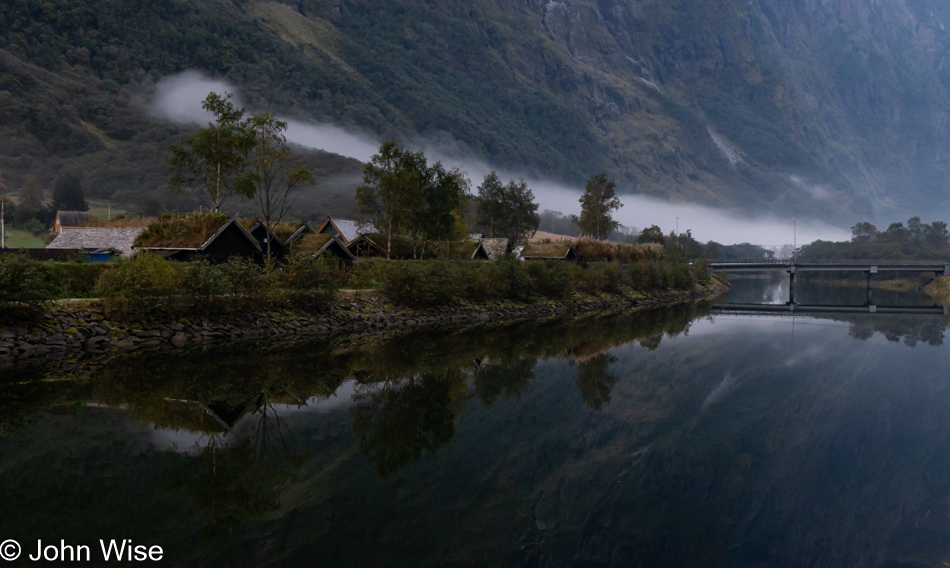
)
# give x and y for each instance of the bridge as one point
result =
(939, 267)
(869, 267)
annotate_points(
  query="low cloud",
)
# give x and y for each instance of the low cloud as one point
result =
(178, 98)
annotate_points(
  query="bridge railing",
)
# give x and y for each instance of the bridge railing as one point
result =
(846, 261)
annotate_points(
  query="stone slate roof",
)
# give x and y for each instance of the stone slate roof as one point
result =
(348, 228)
(73, 218)
(496, 247)
(96, 238)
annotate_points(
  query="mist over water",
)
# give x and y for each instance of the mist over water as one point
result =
(178, 98)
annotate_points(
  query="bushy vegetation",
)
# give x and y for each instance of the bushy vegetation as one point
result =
(439, 282)
(592, 250)
(915, 240)
(24, 284)
(146, 284)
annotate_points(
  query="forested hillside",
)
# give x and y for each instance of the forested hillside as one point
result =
(830, 108)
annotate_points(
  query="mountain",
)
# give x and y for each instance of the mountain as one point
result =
(834, 109)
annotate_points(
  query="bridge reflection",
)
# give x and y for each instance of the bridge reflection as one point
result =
(793, 308)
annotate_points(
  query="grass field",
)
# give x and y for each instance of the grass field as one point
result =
(22, 239)
(102, 213)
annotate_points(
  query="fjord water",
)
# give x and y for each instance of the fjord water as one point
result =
(661, 438)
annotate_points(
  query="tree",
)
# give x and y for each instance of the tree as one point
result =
(490, 204)
(216, 158)
(31, 194)
(68, 194)
(392, 190)
(863, 233)
(445, 194)
(598, 200)
(274, 170)
(521, 212)
(651, 234)
(508, 210)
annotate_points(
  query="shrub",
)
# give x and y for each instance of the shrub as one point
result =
(242, 277)
(144, 283)
(203, 280)
(24, 284)
(516, 284)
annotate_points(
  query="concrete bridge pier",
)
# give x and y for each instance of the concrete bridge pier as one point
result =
(791, 285)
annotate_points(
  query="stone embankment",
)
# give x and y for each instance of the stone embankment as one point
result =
(68, 328)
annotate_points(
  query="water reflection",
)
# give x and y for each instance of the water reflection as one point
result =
(668, 437)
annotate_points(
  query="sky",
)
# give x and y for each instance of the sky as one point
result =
(178, 98)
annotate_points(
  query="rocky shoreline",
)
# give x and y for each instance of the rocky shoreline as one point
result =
(67, 330)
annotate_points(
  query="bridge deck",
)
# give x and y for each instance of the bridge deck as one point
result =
(871, 266)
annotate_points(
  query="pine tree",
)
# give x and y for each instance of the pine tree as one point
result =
(68, 194)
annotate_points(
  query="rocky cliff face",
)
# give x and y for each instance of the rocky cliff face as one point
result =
(836, 109)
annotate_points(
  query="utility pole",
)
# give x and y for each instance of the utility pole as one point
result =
(110, 212)
(3, 227)
(794, 238)
(677, 231)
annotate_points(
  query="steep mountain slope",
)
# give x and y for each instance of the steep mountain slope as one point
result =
(805, 106)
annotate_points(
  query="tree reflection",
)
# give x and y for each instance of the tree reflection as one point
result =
(402, 419)
(508, 379)
(235, 477)
(908, 330)
(595, 381)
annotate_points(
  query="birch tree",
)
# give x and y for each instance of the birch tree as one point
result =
(215, 159)
(274, 171)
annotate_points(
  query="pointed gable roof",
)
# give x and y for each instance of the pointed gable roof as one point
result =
(347, 229)
(335, 248)
(496, 247)
(363, 246)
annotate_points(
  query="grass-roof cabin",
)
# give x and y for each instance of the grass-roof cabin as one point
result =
(365, 247)
(558, 250)
(282, 236)
(336, 249)
(198, 236)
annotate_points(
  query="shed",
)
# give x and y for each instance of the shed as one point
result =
(559, 250)
(97, 239)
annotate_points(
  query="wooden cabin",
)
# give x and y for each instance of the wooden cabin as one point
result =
(492, 249)
(365, 247)
(335, 248)
(199, 236)
(558, 250)
(345, 230)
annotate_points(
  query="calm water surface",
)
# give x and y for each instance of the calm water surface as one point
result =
(664, 438)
